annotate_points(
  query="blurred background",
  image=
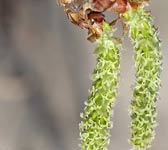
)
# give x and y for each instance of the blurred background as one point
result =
(45, 68)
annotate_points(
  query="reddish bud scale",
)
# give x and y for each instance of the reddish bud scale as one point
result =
(89, 15)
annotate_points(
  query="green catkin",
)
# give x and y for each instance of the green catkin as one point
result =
(94, 129)
(147, 61)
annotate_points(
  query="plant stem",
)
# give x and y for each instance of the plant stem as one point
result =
(147, 61)
(94, 129)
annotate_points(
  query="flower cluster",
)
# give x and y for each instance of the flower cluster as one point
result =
(94, 129)
(147, 59)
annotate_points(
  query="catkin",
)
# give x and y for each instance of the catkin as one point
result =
(96, 123)
(147, 61)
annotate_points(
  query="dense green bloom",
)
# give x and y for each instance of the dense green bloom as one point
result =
(147, 60)
(94, 129)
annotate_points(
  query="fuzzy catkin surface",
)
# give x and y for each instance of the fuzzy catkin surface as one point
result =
(147, 60)
(94, 129)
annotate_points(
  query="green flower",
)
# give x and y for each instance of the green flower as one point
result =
(94, 129)
(147, 60)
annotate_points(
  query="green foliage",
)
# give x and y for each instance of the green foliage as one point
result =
(147, 60)
(94, 129)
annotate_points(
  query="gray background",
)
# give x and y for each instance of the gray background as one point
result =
(45, 68)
